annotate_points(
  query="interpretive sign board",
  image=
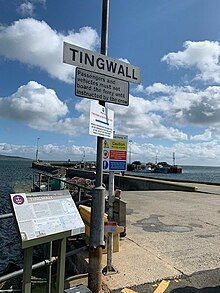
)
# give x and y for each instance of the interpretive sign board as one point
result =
(101, 87)
(94, 61)
(101, 120)
(40, 214)
(115, 153)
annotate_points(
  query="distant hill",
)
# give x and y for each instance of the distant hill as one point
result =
(3, 157)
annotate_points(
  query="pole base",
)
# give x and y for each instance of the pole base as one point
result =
(109, 271)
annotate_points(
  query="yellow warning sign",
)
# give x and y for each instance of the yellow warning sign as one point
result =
(116, 144)
(106, 144)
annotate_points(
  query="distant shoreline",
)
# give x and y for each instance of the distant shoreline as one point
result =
(3, 157)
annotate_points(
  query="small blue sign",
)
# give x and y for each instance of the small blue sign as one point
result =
(105, 165)
(117, 165)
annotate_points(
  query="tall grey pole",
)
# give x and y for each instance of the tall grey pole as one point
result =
(37, 150)
(98, 201)
(130, 142)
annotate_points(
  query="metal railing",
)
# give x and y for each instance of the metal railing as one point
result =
(51, 260)
(46, 262)
(79, 187)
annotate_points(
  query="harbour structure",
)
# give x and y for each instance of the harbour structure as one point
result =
(128, 182)
(160, 167)
(177, 242)
(157, 167)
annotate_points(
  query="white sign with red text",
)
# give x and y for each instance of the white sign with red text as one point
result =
(101, 120)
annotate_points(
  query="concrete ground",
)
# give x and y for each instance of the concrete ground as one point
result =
(170, 235)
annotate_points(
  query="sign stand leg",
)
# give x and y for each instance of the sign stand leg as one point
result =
(61, 265)
(111, 196)
(28, 254)
(109, 269)
(50, 268)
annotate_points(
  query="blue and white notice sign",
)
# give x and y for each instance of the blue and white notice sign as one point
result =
(117, 165)
(101, 120)
(115, 153)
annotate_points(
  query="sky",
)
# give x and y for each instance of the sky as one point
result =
(176, 108)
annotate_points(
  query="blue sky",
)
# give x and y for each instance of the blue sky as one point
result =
(175, 43)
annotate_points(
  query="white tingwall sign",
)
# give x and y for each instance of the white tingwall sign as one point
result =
(101, 120)
(94, 61)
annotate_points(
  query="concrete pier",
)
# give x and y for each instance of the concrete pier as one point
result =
(171, 235)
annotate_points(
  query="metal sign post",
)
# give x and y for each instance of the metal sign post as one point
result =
(94, 62)
(115, 157)
(98, 202)
(111, 198)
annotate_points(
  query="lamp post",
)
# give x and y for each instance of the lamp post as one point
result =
(130, 143)
(37, 151)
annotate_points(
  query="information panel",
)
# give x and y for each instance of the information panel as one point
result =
(40, 214)
(100, 87)
(115, 153)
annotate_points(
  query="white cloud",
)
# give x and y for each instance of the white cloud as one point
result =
(33, 103)
(199, 151)
(158, 87)
(186, 153)
(26, 9)
(35, 43)
(205, 109)
(124, 60)
(205, 136)
(185, 105)
(204, 56)
(137, 120)
(41, 109)
(64, 151)
(49, 151)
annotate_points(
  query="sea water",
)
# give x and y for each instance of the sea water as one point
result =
(15, 176)
(203, 174)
